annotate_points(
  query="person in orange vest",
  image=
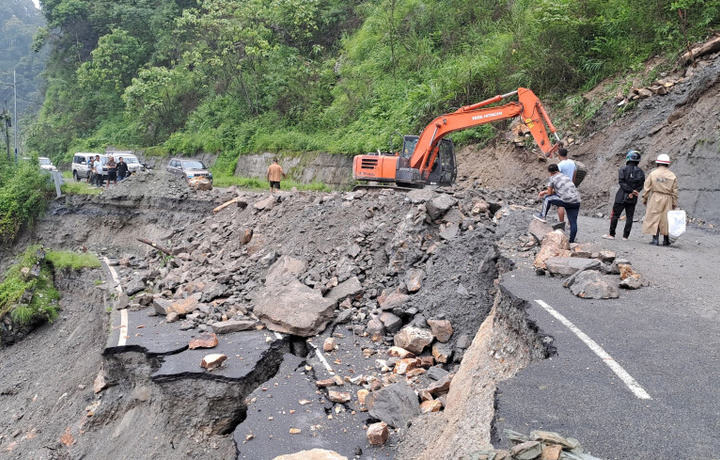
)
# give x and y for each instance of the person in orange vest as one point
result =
(274, 174)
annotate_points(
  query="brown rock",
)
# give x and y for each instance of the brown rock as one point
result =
(440, 387)
(442, 352)
(431, 406)
(626, 271)
(415, 372)
(314, 454)
(246, 235)
(339, 396)
(361, 395)
(405, 365)
(413, 279)
(425, 395)
(427, 361)
(378, 434)
(206, 340)
(554, 244)
(330, 344)
(392, 300)
(213, 361)
(200, 183)
(399, 352)
(606, 256)
(441, 329)
(325, 383)
(528, 450)
(413, 339)
(551, 452)
(181, 307)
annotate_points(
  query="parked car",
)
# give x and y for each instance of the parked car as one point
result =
(132, 161)
(189, 168)
(81, 164)
(46, 164)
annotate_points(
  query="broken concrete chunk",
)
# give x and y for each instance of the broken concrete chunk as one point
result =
(213, 361)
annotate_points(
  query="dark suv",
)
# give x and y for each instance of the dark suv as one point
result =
(189, 168)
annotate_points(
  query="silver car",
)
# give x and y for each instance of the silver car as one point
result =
(189, 168)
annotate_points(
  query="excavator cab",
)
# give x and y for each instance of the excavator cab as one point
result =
(444, 169)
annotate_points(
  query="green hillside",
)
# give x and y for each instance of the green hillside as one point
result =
(233, 77)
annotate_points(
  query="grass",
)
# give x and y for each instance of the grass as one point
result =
(73, 187)
(71, 260)
(41, 304)
(261, 184)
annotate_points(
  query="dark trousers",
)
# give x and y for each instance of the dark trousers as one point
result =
(571, 210)
(629, 213)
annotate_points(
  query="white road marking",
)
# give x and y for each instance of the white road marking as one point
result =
(612, 364)
(322, 359)
(122, 339)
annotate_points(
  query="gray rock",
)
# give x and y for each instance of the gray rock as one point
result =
(439, 205)
(413, 279)
(592, 284)
(436, 373)
(566, 266)
(134, 286)
(420, 195)
(375, 327)
(122, 302)
(631, 282)
(449, 232)
(345, 316)
(227, 327)
(392, 322)
(348, 288)
(539, 229)
(395, 405)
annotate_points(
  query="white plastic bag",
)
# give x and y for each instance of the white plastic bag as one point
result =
(676, 224)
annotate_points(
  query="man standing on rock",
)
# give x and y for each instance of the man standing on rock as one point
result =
(631, 179)
(275, 174)
(560, 192)
(660, 195)
(567, 167)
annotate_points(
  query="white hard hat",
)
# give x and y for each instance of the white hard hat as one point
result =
(663, 159)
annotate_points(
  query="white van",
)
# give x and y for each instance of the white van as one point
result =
(81, 165)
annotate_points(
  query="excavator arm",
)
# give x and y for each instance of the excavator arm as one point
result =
(418, 157)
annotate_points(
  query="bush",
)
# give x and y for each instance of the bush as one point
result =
(42, 304)
(24, 191)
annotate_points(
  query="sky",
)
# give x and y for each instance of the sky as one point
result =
(37, 3)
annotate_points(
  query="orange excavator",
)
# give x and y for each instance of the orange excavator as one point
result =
(430, 158)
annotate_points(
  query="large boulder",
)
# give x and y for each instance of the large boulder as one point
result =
(287, 305)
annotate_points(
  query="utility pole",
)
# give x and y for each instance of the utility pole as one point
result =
(6, 121)
(16, 124)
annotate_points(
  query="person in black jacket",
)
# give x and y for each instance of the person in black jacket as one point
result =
(631, 179)
(122, 169)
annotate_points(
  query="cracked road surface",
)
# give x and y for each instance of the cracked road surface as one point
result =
(665, 336)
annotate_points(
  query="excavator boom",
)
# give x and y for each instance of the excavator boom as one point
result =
(419, 157)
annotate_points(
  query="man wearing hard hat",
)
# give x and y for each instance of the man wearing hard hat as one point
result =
(660, 194)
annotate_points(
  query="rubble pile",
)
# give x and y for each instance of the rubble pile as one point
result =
(590, 272)
(541, 445)
(387, 266)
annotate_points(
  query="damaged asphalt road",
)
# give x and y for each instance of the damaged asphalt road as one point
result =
(665, 337)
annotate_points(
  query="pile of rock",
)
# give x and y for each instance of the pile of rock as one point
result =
(540, 445)
(591, 273)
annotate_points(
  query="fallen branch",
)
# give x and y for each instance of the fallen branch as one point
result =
(225, 205)
(708, 47)
(159, 248)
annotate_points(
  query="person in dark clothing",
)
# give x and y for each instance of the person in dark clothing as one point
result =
(631, 179)
(122, 169)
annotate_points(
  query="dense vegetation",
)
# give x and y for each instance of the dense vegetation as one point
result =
(19, 20)
(231, 77)
(24, 189)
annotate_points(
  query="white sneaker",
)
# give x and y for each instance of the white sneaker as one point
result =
(539, 217)
(608, 237)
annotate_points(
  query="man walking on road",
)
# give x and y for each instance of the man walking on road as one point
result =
(660, 195)
(275, 173)
(560, 192)
(631, 179)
